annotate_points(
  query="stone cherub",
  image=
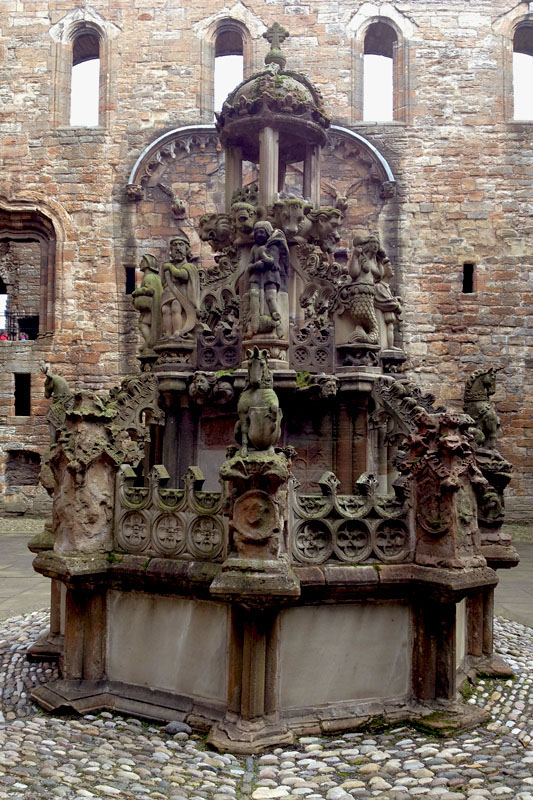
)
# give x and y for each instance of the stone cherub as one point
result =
(147, 300)
(180, 298)
(267, 274)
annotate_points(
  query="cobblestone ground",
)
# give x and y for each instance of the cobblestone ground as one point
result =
(104, 756)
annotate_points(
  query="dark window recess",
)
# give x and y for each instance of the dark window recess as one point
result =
(468, 277)
(22, 394)
(130, 280)
(22, 468)
(29, 326)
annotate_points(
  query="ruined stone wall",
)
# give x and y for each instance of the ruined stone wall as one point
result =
(462, 167)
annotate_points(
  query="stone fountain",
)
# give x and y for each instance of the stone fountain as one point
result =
(269, 530)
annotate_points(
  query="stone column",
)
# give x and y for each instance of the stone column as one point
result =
(268, 165)
(85, 634)
(233, 173)
(311, 187)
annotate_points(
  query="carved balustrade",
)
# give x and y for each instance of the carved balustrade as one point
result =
(349, 528)
(169, 523)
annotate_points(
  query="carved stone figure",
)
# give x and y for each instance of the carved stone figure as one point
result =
(147, 300)
(244, 218)
(217, 230)
(180, 298)
(290, 215)
(258, 408)
(386, 303)
(95, 434)
(365, 272)
(479, 388)
(177, 204)
(325, 227)
(58, 389)
(267, 274)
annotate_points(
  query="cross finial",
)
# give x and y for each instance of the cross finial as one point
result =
(276, 35)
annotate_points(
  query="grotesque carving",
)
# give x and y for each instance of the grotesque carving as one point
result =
(177, 204)
(147, 300)
(258, 408)
(207, 386)
(290, 215)
(134, 192)
(267, 274)
(217, 230)
(179, 302)
(244, 218)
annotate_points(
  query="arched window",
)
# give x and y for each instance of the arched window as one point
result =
(378, 72)
(229, 60)
(27, 270)
(85, 78)
(84, 73)
(523, 71)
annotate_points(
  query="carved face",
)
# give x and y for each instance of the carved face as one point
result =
(290, 217)
(372, 246)
(261, 234)
(178, 249)
(327, 230)
(243, 217)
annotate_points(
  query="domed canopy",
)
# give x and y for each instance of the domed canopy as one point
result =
(276, 98)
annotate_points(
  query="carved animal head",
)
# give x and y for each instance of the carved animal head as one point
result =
(243, 215)
(290, 214)
(480, 385)
(259, 374)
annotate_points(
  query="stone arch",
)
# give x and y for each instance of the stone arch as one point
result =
(44, 222)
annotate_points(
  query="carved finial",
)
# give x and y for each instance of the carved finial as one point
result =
(276, 35)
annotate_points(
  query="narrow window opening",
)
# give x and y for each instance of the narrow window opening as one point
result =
(85, 80)
(22, 394)
(378, 71)
(130, 279)
(229, 63)
(468, 277)
(3, 307)
(523, 72)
